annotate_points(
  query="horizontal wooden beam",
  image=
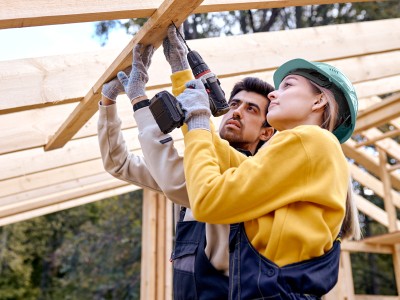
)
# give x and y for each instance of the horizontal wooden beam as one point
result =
(48, 81)
(374, 184)
(390, 238)
(368, 161)
(373, 211)
(385, 135)
(22, 214)
(360, 246)
(152, 33)
(379, 114)
(26, 13)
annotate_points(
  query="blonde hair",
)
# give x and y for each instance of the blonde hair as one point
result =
(351, 225)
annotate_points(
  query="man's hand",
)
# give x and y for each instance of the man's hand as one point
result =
(135, 84)
(196, 105)
(113, 88)
(175, 50)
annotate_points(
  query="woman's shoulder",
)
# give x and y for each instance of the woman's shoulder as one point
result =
(314, 133)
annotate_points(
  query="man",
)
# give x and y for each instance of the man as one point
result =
(201, 251)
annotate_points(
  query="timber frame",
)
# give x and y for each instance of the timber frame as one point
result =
(49, 155)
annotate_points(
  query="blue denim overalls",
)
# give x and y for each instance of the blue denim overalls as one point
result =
(194, 276)
(252, 276)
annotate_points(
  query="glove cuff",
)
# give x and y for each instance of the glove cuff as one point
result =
(201, 121)
(179, 65)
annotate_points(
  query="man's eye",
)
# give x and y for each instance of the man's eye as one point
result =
(233, 104)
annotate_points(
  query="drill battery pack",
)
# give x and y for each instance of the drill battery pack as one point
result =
(166, 111)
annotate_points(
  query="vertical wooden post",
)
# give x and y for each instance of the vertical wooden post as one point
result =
(344, 289)
(156, 270)
(391, 212)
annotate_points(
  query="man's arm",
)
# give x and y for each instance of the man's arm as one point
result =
(116, 158)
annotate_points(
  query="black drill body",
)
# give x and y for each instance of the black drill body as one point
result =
(167, 110)
(200, 70)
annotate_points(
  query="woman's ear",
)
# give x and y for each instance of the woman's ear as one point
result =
(319, 102)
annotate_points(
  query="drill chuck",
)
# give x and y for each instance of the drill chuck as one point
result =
(218, 104)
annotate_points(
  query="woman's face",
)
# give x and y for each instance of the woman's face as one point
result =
(293, 104)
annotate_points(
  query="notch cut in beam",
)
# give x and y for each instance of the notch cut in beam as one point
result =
(152, 33)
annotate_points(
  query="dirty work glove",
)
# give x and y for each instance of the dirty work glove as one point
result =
(113, 88)
(175, 50)
(135, 84)
(196, 105)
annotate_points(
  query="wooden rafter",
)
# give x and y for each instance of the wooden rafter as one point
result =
(25, 13)
(379, 114)
(56, 80)
(152, 33)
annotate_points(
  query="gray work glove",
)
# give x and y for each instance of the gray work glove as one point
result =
(175, 50)
(114, 87)
(135, 84)
(196, 105)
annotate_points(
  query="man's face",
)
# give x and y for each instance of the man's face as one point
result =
(242, 125)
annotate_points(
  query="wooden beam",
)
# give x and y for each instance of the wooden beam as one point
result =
(379, 114)
(152, 32)
(385, 135)
(49, 81)
(391, 147)
(361, 246)
(368, 161)
(33, 213)
(374, 88)
(369, 181)
(373, 211)
(25, 13)
(387, 187)
(391, 238)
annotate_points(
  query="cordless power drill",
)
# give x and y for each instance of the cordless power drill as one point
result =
(167, 110)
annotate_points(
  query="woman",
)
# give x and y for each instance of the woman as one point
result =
(291, 202)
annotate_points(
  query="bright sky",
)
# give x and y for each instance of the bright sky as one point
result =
(54, 40)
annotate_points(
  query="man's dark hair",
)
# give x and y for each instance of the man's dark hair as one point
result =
(252, 84)
(256, 85)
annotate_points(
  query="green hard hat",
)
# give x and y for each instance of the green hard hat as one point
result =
(332, 79)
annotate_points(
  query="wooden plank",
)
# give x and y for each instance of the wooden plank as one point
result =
(361, 246)
(368, 161)
(391, 147)
(152, 32)
(379, 114)
(388, 134)
(374, 88)
(44, 79)
(87, 107)
(375, 297)
(149, 247)
(373, 211)
(387, 187)
(391, 238)
(59, 197)
(366, 179)
(33, 213)
(25, 13)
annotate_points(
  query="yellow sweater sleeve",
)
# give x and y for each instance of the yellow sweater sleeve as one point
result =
(227, 155)
(303, 164)
(179, 79)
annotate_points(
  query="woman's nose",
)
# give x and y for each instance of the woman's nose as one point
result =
(272, 95)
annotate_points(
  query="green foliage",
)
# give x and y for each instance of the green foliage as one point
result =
(88, 252)
(260, 20)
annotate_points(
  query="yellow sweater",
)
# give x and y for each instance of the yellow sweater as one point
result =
(291, 195)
